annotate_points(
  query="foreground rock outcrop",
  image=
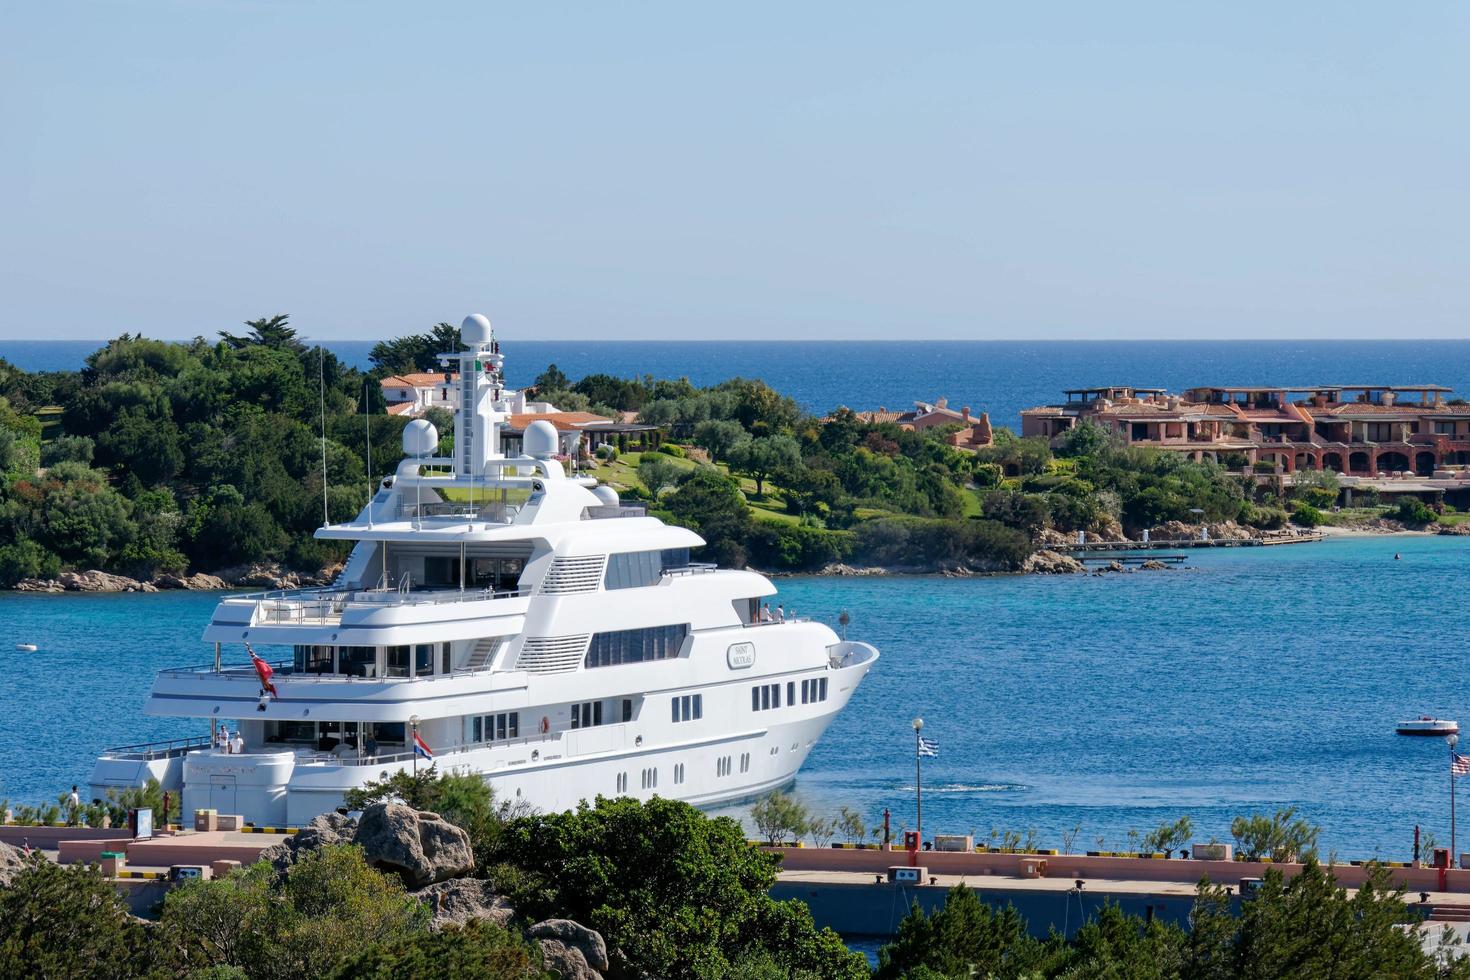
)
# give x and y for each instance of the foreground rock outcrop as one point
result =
(434, 859)
(322, 831)
(418, 846)
(12, 859)
(460, 901)
(571, 949)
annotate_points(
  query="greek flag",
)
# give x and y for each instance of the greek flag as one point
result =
(928, 747)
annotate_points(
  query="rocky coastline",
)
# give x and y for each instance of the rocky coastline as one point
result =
(262, 575)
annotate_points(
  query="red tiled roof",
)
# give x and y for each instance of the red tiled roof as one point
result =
(563, 421)
(401, 408)
(420, 379)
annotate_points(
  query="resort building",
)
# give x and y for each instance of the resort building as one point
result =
(1355, 430)
(974, 434)
(414, 394)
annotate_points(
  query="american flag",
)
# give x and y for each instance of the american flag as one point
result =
(930, 747)
(1459, 764)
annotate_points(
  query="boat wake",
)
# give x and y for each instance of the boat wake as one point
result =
(972, 788)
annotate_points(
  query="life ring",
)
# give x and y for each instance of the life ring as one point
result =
(545, 724)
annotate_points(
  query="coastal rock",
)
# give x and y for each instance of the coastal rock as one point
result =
(199, 581)
(1051, 563)
(460, 901)
(571, 949)
(38, 585)
(1154, 565)
(1452, 529)
(12, 859)
(324, 830)
(1107, 528)
(1050, 537)
(419, 846)
(1220, 531)
(837, 568)
(95, 580)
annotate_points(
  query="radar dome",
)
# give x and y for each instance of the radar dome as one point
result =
(606, 494)
(540, 439)
(420, 438)
(475, 329)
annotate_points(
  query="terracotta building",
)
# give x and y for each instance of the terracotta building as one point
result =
(1357, 430)
(974, 434)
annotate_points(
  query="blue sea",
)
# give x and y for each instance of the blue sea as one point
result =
(999, 377)
(1250, 680)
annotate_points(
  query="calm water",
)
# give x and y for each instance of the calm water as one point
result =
(1001, 377)
(1262, 677)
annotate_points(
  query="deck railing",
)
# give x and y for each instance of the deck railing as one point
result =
(164, 749)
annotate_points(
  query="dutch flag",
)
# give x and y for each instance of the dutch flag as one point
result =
(420, 747)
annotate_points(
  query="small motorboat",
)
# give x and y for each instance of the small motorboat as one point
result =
(1425, 725)
(27, 647)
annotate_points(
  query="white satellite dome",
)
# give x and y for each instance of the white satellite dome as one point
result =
(420, 438)
(606, 494)
(540, 439)
(475, 329)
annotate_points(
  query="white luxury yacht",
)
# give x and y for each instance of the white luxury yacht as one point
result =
(524, 624)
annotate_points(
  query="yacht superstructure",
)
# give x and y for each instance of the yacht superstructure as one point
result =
(523, 624)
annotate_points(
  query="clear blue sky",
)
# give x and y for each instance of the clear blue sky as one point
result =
(967, 170)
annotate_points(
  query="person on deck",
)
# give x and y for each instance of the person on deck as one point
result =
(780, 613)
(237, 744)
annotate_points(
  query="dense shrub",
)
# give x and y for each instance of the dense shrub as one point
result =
(1306, 515)
(1412, 510)
(673, 449)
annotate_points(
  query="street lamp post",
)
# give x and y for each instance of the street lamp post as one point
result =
(919, 779)
(413, 743)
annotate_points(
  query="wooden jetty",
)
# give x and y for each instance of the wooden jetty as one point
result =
(1305, 538)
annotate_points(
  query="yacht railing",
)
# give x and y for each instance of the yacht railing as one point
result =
(324, 607)
(610, 511)
(693, 568)
(165, 749)
(351, 758)
(494, 512)
(287, 668)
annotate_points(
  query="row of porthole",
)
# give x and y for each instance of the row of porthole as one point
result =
(648, 778)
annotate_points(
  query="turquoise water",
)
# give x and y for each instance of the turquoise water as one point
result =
(1255, 679)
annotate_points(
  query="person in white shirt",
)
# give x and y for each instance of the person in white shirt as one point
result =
(780, 614)
(237, 744)
(222, 738)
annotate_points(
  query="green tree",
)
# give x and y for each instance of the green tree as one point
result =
(675, 893)
(1309, 926)
(477, 951)
(658, 472)
(1282, 836)
(779, 816)
(67, 922)
(718, 437)
(712, 504)
(1169, 835)
(963, 938)
(268, 331)
(759, 458)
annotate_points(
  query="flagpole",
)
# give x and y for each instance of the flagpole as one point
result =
(919, 778)
(1454, 854)
(414, 745)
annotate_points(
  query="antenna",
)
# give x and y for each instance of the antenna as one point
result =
(367, 422)
(321, 380)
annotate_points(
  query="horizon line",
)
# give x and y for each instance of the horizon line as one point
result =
(823, 340)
